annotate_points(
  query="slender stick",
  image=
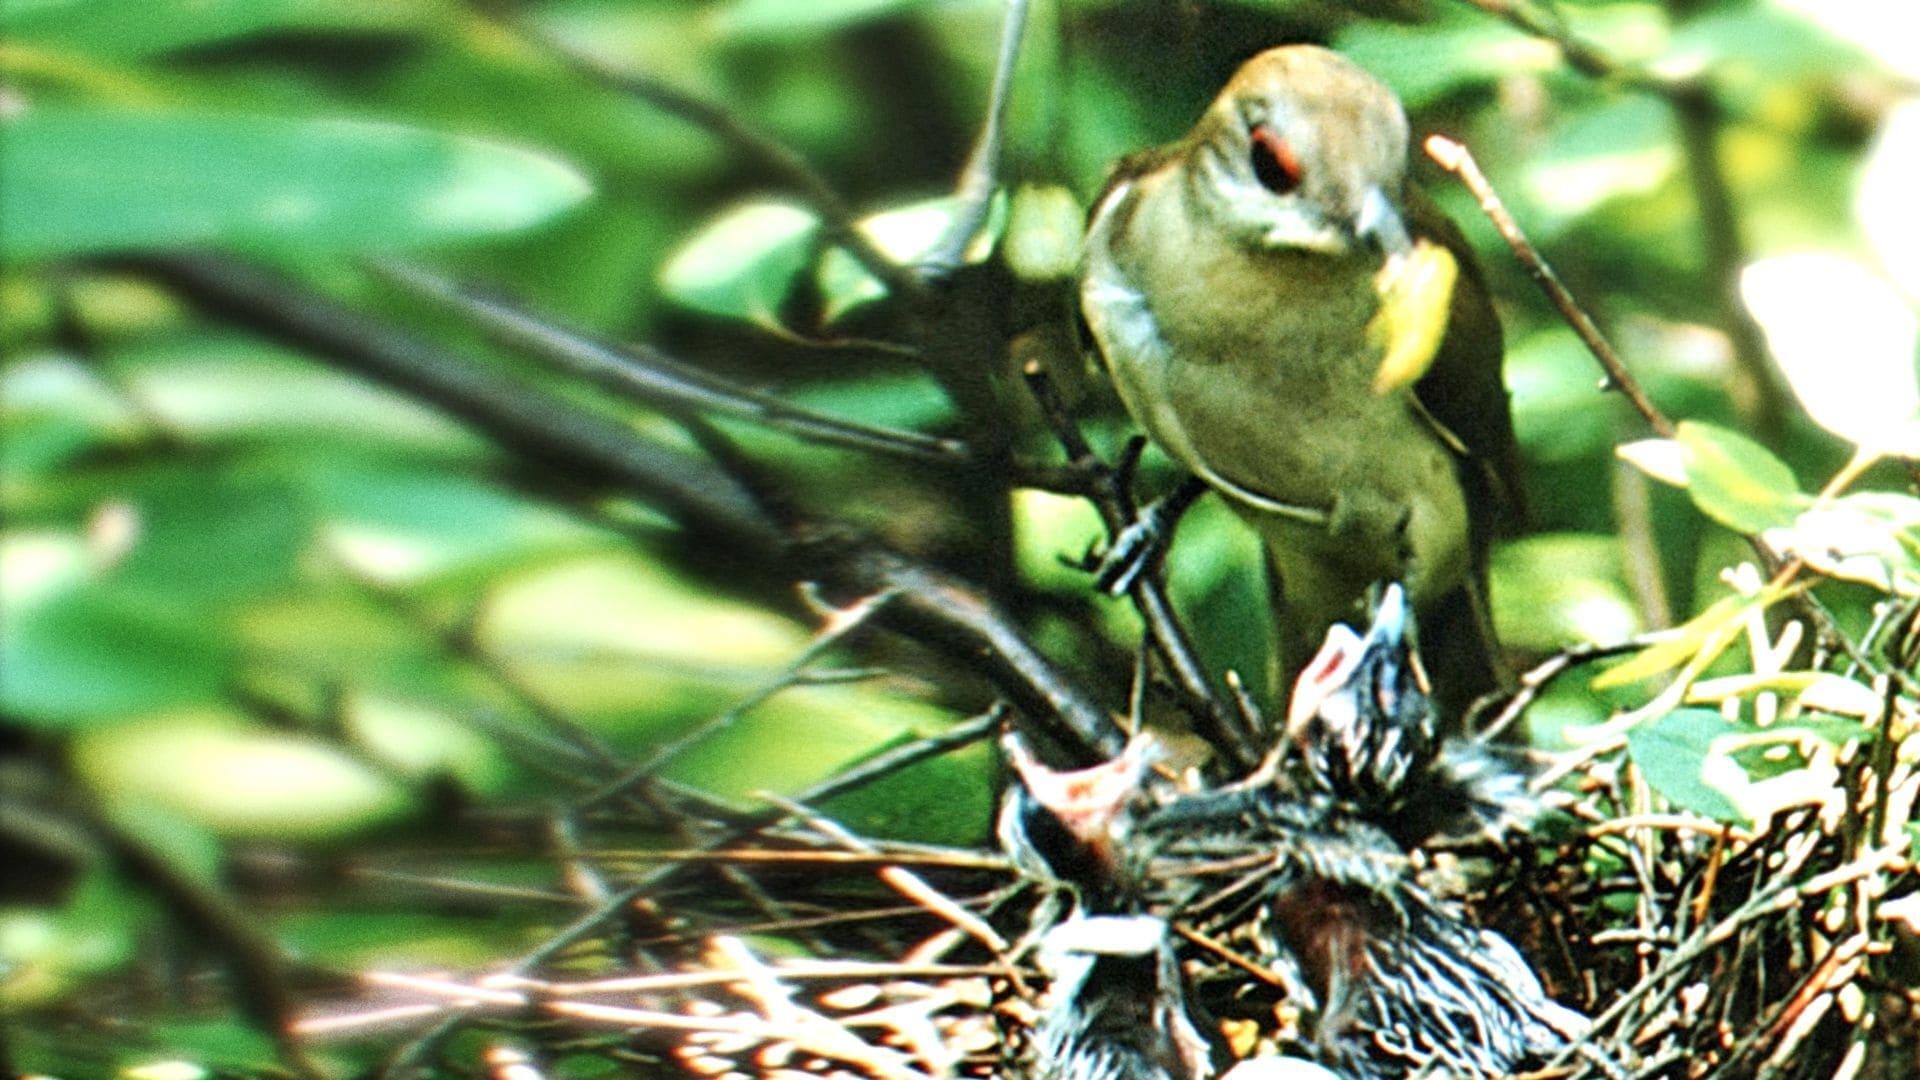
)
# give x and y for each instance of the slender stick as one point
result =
(1700, 117)
(1456, 159)
(645, 374)
(977, 180)
(1215, 719)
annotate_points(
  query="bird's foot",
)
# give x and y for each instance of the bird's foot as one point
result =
(1142, 543)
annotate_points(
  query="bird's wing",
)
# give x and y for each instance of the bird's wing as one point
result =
(1463, 390)
(1137, 357)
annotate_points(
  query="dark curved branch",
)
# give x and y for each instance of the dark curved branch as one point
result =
(644, 374)
(585, 446)
(931, 606)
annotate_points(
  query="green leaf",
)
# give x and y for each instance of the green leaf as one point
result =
(221, 388)
(135, 28)
(45, 950)
(805, 734)
(780, 18)
(1663, 459)
(1673, 751)
(1551, 590)
(943, 800)
(1761, 44)
(1736, 481)
(1627, 146)
(1708, 634)
(422, 742)
(1425, 63)
(1872, 537)
(52, 408)
(76, 654)
(1558, 415)
(412, 526)
(202, 538)
(1864, 385)
(92, 179)
(906, 235)
(1043, 232)
(218, 1047)
(237, 779)
(743, 264)
(1734, 772)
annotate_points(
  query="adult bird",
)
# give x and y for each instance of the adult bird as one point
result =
(1299, 327)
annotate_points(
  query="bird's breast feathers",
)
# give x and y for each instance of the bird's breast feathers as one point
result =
(1205, 344)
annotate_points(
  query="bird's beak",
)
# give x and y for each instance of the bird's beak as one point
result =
(1390, 619)
(1390, 635)
(1345, 651)
(1379, 222)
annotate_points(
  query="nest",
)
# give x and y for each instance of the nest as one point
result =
(786, 946)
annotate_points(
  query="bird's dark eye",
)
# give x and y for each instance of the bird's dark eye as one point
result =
(1274, 163)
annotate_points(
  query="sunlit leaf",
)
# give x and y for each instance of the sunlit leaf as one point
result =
(410, 526)
(1704, 635)
(1049, 531)
(1624, 147)
(1733, 772)
(238, 779)
(77, 653)
(1872, 537)
(1663, 459)
(802, 736)
(1886, 34)
(89, 179)
(1846, 341)
(421, 742)
(1424, 63)
(1820, 690)
(743, 264)
(1736, 481)
(94, 929)
(1556, 589)
(223, 388)
(1754, 43)
(1043, 232)
(906, 235)
(1559, 415)
(1889, 214)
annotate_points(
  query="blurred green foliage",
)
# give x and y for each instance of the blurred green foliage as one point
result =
(252, 603)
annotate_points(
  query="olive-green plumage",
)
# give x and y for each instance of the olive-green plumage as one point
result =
(1230, 281)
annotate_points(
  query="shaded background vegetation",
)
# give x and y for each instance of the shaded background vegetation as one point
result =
(276, 631)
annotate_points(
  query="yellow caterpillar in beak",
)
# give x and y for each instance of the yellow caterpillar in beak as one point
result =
(1416, 295)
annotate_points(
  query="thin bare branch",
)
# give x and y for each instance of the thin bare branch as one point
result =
(1222, 724)
(979, 180)
(643, 373)
(1456, 159)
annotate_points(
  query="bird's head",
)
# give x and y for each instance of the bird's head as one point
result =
(1070, 825)
(1361, 712)
(1305, 151)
